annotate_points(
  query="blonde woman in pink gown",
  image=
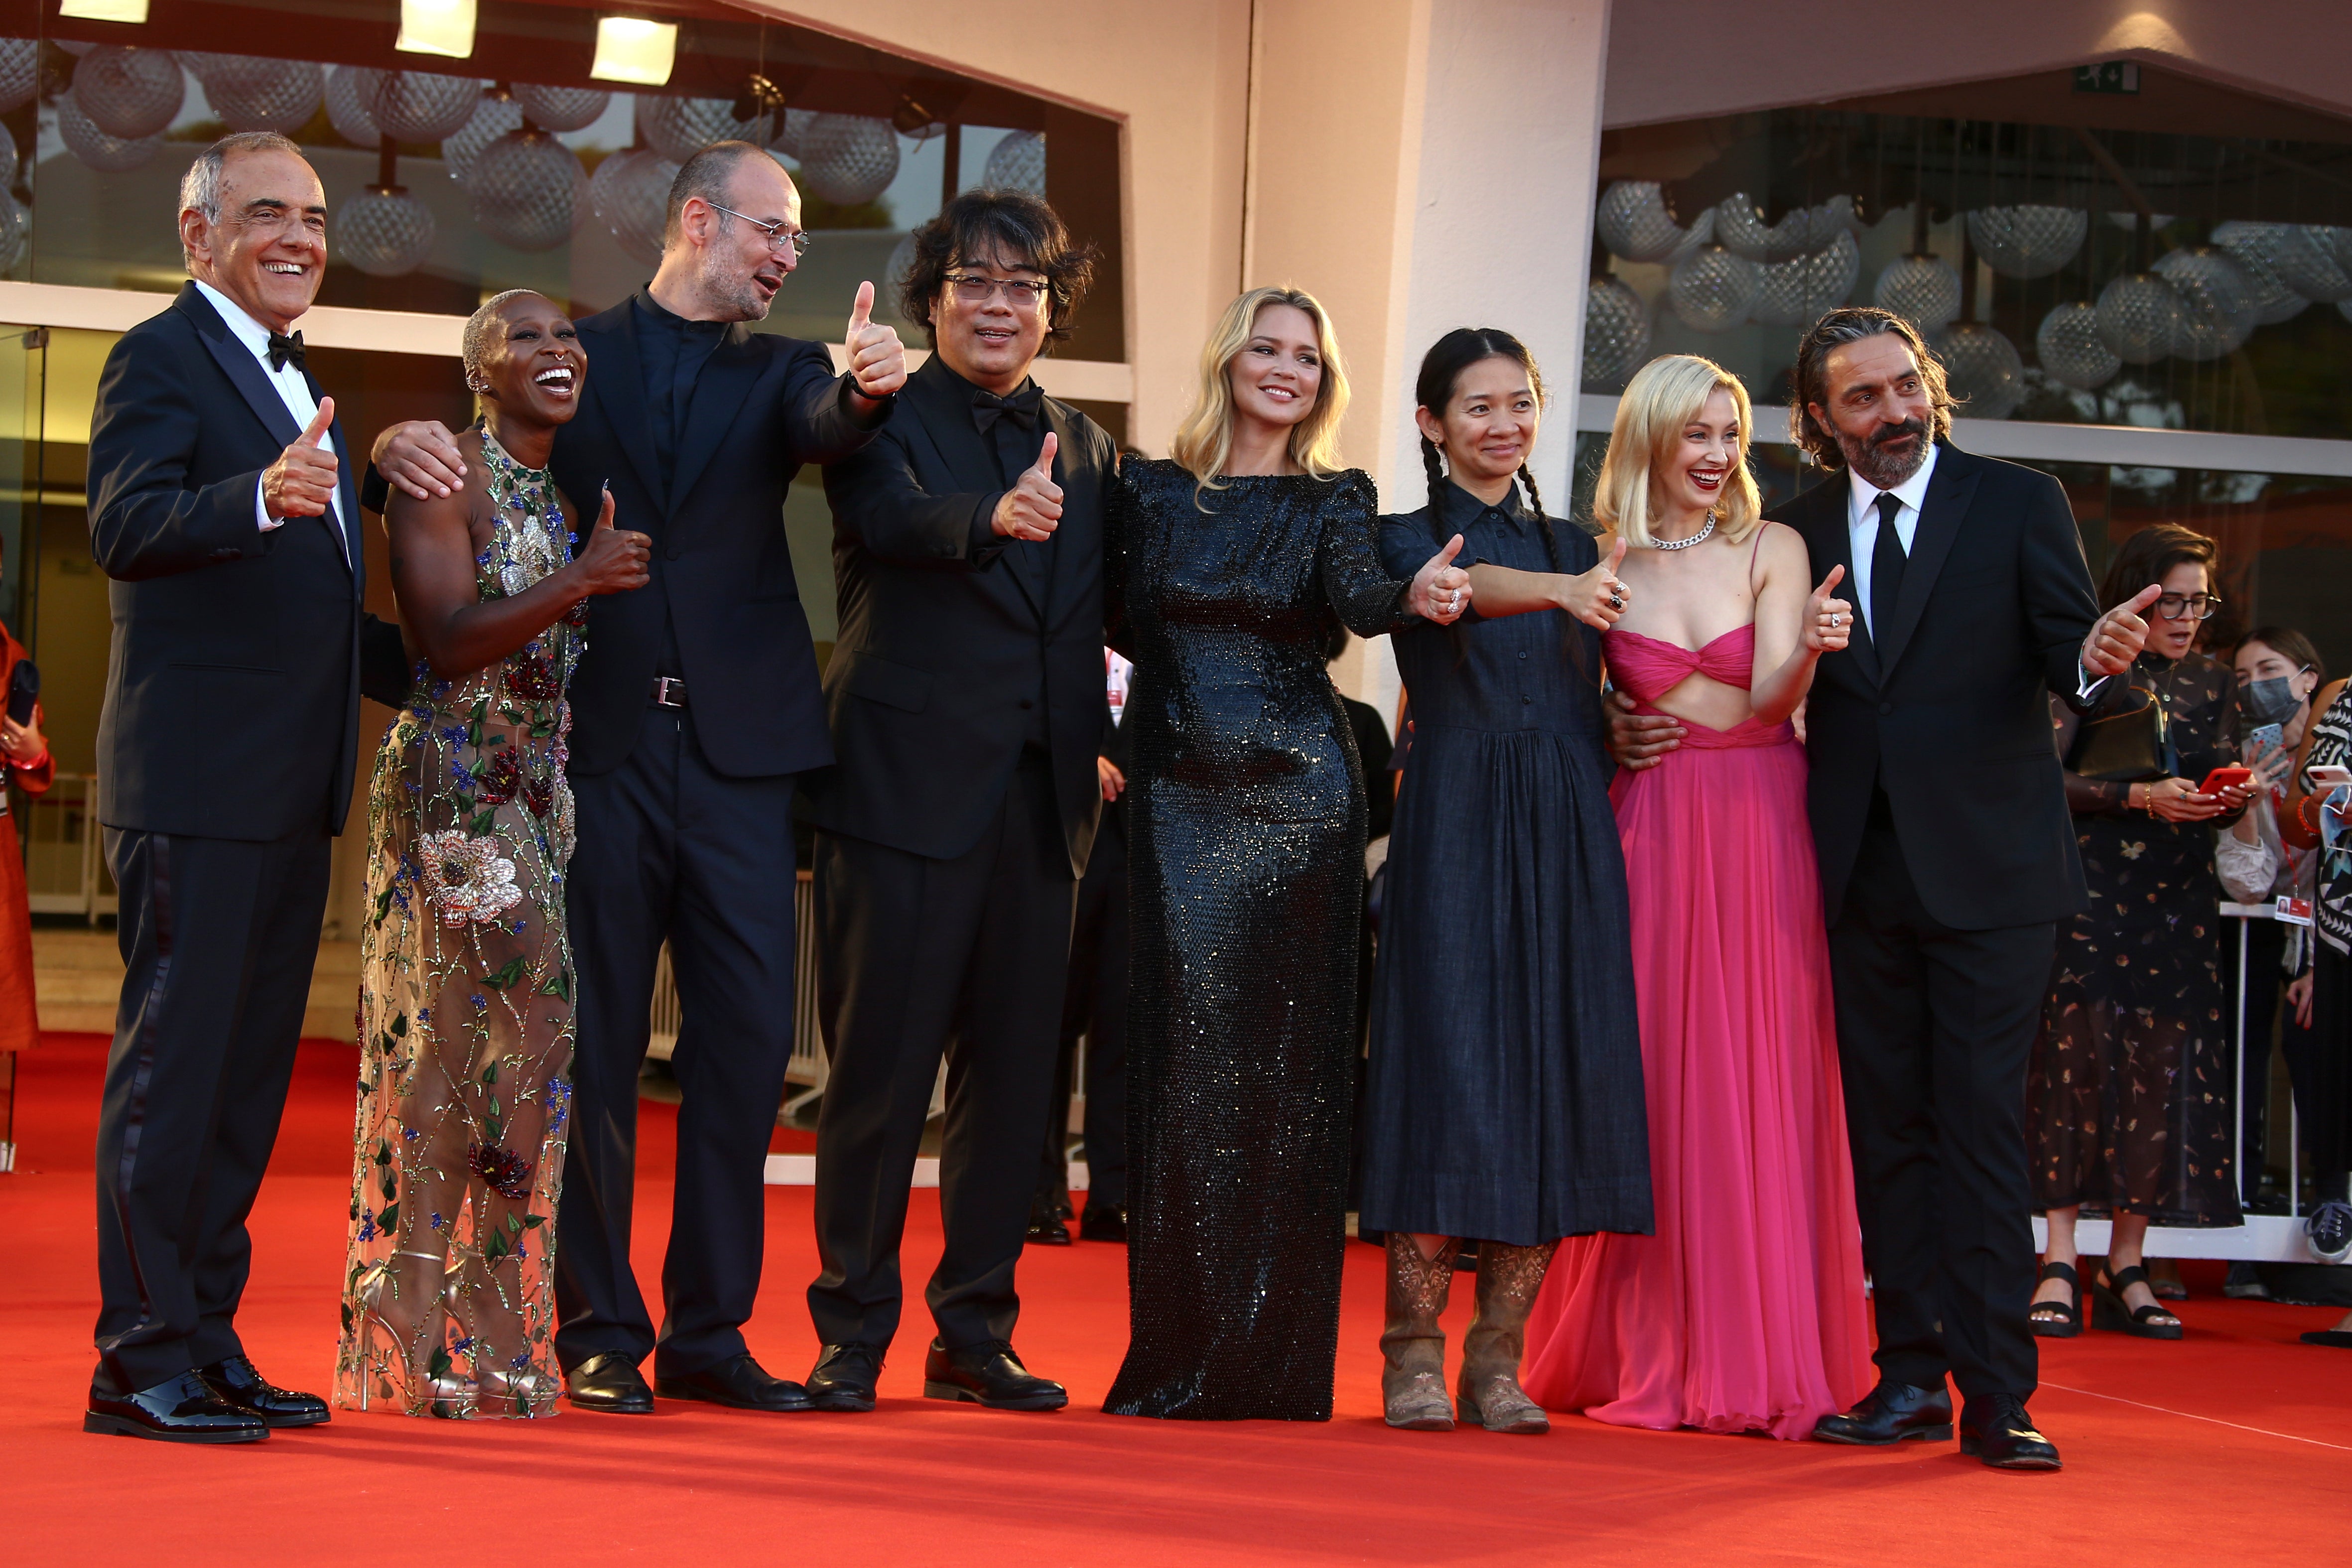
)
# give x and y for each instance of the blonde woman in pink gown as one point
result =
(1744, 1311)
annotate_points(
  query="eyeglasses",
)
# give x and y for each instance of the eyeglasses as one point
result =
(779, 236)
(1021, 293)
(2188, 606)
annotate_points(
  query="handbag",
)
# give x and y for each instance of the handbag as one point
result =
(24, 688)
(2128, 738)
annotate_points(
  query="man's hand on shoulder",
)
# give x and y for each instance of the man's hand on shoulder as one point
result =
(421, 458)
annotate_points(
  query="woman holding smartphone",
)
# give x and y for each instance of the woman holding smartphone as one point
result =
(2128, 1099)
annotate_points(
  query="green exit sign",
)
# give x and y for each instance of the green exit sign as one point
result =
(2115, 76)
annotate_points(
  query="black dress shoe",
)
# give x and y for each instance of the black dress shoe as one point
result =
(739, 1382)
(1103, 1222)
(609, 1381)
(1891, 1413)
(183, 1409)
(1997, 1430)
(1045, 1226)
(988, 1375)
(239, 1383)
(843, 1377)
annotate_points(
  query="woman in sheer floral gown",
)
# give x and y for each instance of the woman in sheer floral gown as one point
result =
(466, 981)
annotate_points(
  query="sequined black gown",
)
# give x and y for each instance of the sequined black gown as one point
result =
(1246, 862)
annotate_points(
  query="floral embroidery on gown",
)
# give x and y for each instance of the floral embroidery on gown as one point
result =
(465, 1025)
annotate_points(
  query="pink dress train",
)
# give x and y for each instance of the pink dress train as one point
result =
(1745, 1311)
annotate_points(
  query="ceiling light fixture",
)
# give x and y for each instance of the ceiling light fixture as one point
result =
(634, 49)
(437, 27)
(133, 12)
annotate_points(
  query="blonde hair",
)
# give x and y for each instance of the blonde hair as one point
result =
(1204, 441)
(1659, 405)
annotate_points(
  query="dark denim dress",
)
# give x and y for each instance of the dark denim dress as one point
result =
(1503, 1097)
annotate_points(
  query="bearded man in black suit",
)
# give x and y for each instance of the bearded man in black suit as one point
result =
(1946, 859)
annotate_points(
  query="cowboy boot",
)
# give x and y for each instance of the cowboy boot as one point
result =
(1488, 1390)
(1412, 1347)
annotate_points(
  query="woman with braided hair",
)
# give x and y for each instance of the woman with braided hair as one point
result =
(1503, 1099)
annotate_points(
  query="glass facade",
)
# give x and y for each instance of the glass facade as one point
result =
(2177, 254)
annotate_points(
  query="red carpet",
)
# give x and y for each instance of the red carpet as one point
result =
(2247, 1456)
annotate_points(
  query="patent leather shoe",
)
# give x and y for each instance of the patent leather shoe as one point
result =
(843, 1377)
(739, 1382)
(988, 1375)
(1997, 1430)
(181, 1409)
(609, 1383)
(1103, 1222)
(1891, 1413)
(239, 1383)
(1045, 1226)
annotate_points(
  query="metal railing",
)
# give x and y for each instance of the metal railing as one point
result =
(64, 865)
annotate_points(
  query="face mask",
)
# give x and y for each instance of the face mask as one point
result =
(2271, 702)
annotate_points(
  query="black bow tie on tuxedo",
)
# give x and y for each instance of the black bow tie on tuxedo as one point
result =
(1021, 408)
(283, 348)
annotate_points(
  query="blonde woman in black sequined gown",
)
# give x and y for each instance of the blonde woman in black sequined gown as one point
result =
(1246, 867)
(466, 981)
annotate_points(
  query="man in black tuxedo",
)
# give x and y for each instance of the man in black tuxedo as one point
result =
(696, 705)
(966, 701)
(225, 750)
(1946, 859)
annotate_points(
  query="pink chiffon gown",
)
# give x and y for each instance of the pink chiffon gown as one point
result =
(1745, 1311)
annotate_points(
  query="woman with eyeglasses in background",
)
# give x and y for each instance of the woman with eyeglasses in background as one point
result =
(2128, 1100)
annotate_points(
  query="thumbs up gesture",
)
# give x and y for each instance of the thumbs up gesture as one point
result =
(1828, 622)
(614, 559)
(2117, 636)
(877, 361)
(1031, 508)
(1598, 598)
(1440, 590)
(302, 480)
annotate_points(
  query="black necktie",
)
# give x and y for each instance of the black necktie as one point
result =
(1021, 408)
(283, 348)
(1886, 562)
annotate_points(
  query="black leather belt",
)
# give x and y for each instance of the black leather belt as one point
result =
(668, 692)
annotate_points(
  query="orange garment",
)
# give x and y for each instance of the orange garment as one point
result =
(20, 1022)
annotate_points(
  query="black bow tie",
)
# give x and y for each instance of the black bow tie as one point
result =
(283, 348)
(1021, 408)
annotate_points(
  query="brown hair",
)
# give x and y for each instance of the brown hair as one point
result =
(1852, 324)
(976, 224)
(2297, 648)
(2149, 556)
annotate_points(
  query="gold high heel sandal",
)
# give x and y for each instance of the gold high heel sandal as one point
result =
(440, 1391)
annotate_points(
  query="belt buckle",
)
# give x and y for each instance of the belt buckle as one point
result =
(662, 684)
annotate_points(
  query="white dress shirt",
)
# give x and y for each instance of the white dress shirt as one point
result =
(291, 389)
(1862, 527)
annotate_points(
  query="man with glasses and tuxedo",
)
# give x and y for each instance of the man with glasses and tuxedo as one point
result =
(965, 697)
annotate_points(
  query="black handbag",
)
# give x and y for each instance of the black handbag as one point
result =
(2127, 738)
(24, 689)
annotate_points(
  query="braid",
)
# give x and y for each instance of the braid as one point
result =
(1535, 501)
(1429, 460)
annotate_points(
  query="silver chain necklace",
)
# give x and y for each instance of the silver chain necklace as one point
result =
(1698, 538)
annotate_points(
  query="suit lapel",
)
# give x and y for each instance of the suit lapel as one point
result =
(245, 374)
(719, 395)
(1065, 446)
(618, 377)
(1946, 507)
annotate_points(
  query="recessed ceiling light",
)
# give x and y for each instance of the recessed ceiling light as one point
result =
(437, 27)
(634, 49)
(132, 11)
